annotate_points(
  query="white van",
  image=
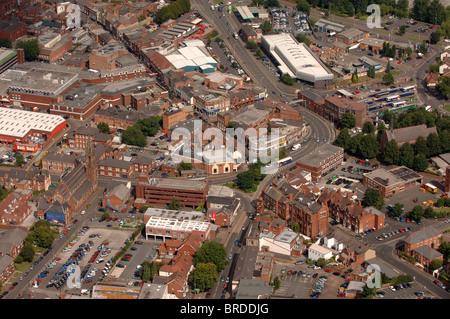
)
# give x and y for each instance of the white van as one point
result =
(296, 147)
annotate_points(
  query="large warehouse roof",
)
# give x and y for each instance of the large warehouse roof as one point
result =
(18, 123)
(296, 58)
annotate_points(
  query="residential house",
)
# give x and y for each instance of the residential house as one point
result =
(423, 244)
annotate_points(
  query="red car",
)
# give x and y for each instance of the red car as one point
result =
(341, 294)
(75, 221)
(66, 231)
(225, 286)
(401, 230)
(327, 270)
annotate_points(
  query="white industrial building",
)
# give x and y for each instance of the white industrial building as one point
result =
(297, 60)
(193, 58)
(315, 252)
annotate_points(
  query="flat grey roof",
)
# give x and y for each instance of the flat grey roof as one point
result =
(320, 154)
(177, 183)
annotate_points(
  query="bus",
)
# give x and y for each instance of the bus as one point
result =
(398, 104)
(392, 98)
(430, 188)
(284, 161)
(408, 88)
(383, 93)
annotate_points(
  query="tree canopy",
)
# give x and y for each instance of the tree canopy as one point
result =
(172, 11)
(30, 47)
(372, 197)
(211, 252)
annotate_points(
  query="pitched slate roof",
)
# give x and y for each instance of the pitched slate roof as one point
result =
(423, 234)
(410, 133)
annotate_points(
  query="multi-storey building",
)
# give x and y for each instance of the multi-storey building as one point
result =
(292, 205)
(423, 245)
(160, 192)
(321, 160)
(393, 181)
(350, 214)
(211, 104)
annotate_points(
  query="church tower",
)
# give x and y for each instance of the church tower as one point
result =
(91, 163)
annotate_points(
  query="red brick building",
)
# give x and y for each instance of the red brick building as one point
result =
(423, 245)
(346, 212)
(283, 201)
(393, 181)
(12, 30)
(320, 161)
(160, 192)
(14, 209)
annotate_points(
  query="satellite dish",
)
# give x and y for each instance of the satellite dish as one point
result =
(73, 20)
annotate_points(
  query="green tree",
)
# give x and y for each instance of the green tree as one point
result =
(420, 146)
(277, 283)
(347, 120)
(204, 276)
(368, 147)
(20, 160)
(353, 146)
(211, 252)
(266, 26)
(436, 264)
(355, 77)
(444, 249)
(444, 137)
(402, 30)
(184, 166)
(246, 181)
(371, 73)
(252, 45)
(303, 6)
(388, 78)
(343, 139)
(429, 212)
(149, 126)
(406, 155)
(41, 234)
(134, 136)
(391, 153)
(420, 163)
(103, 128)
(287, 79)
(174, 204)
(30, 47)
(303, 39)
(5, 43)
(435, 37)
(321, 262)
(397, 210)
(368, 127)
(380, 130)
(27, 252)
(373, 197)
(443, 86)
(417, 213)
(271, 4)
(368, 293)
(433, 144)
